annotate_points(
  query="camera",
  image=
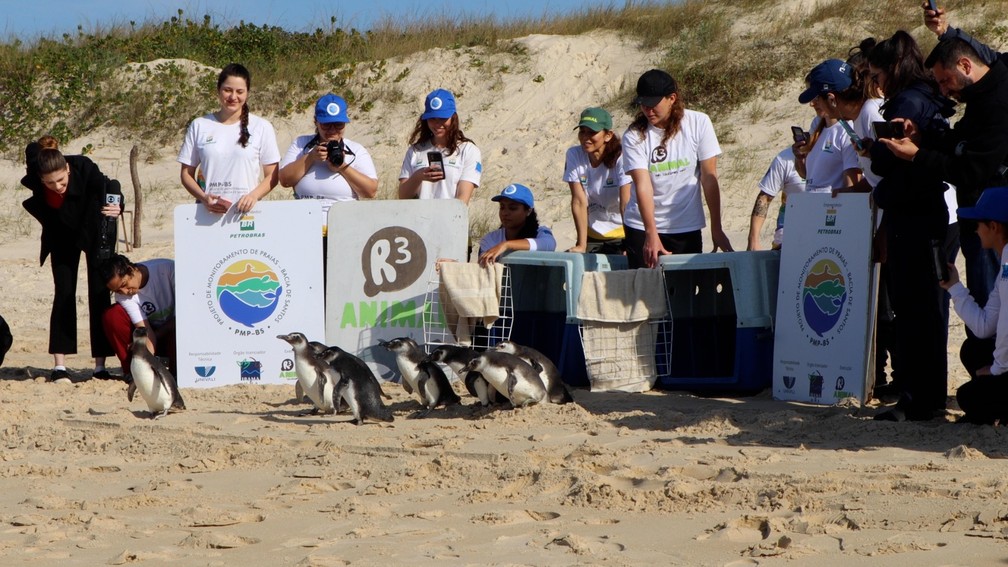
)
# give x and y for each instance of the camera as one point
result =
(335, 152)
(107, 233)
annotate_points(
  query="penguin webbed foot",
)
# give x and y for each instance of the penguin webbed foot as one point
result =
(419, 413)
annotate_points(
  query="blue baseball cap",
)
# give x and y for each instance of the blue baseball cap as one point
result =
(516, 192)
(331, 108)
(830, 76)
(992, 205)
(439, 104)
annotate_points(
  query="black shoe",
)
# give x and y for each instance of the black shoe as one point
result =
(105, 375)
(59, 375)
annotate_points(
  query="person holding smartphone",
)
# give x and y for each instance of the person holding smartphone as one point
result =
(600, 188)
(456, 172)
(828, 160)
(70, 198)
(915, 218)
(236, 151)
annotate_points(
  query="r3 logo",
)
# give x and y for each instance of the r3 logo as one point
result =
(393, 258)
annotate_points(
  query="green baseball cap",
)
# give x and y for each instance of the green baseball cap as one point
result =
(595, 118)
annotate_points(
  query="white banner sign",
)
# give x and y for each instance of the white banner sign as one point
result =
(380, 262)
(241, 280)
(826, 300)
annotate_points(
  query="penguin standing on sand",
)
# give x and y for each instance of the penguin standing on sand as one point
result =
(155, 383)
(357, 386)
(316, 348)
(317, 379)
(421, 376)
(456, 357)
(511, 376)
(556, 391)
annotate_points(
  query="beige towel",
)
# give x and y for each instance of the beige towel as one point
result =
(469, 292)
(623, 296)
(620, 357)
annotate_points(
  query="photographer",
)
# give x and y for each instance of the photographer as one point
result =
(326, 166)
(74, 202)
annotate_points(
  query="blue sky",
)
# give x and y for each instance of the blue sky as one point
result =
(28, 19)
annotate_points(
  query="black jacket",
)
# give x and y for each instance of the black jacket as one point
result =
(911, 199)
(78, 220)
(972, 155)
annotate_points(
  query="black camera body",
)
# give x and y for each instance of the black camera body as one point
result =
(336, 152)
(107, 233)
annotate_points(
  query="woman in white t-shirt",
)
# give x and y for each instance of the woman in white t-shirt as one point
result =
(600, 188)
(441, 162)
(347, 175)
(671, 155)
(827, 159)
(235, 151)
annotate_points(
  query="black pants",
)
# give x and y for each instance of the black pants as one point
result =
(983, 398)
(920, 328)
(680, 243)
(64, 261)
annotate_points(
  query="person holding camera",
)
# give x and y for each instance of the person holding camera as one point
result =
(326, 165)
(600, 188)
(145, 297)
(441, 162)
(235, 150)
(74, 202)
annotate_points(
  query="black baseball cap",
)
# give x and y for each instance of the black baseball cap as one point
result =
(653, 86)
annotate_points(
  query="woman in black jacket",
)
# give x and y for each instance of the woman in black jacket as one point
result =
(73, 201)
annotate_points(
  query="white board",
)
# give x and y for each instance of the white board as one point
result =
(826, 299)
(380, 262)
(241, 280)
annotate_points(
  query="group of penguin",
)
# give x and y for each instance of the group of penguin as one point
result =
(331, 377)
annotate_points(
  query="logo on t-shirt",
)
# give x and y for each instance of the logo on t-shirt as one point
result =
(147, 307)
(659, 154)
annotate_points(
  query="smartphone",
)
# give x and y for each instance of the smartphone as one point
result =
(940, 263)
(225, 202)
(933, 6)
(854, 138)
(888, 130)
(799, 135)
(435, 160)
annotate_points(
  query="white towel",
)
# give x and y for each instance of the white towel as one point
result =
(623, 296)
(469, 293)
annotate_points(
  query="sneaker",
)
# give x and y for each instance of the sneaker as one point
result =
(59, 376)
(105, 375)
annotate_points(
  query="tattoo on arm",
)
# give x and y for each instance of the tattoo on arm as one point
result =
(761, 206)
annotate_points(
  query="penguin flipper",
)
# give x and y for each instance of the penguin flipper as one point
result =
(131, 391)
(169, 383)
(470, 382)
(512, 381)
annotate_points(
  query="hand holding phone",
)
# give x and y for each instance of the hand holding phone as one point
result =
(800, 136)
(940, 262)
(892, 130)
(933, 6)
(436, 162)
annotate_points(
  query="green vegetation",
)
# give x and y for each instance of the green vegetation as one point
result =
(723, 54)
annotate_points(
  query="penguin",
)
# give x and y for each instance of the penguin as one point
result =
(556, 391)
(317, 379)
(456, 357)
(155, 383)
(357, 386)
(422, 376)
(511, 376)
(316, 348)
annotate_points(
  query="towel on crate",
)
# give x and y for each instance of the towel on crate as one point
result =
(469, 293)
(623, 296)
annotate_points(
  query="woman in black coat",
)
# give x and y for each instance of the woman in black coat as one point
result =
(73, 201)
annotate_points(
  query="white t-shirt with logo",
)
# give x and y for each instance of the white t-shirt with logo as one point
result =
(831, 155)
(229, 170)
(154, 304)
(602, 185)
(675, 172)
(781, 178)
(463, 165)
(322, 183)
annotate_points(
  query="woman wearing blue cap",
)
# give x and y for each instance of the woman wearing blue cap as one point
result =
(236, 151)
(520, 228)
(346, 173)
(441, 162)
(600, 188)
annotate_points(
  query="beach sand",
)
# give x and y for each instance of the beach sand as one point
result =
(662, 478)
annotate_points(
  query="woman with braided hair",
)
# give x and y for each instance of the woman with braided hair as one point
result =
(230, 146)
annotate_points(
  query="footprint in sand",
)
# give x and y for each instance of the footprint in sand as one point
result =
(581, 545)
(216, 541)
(511, 517)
